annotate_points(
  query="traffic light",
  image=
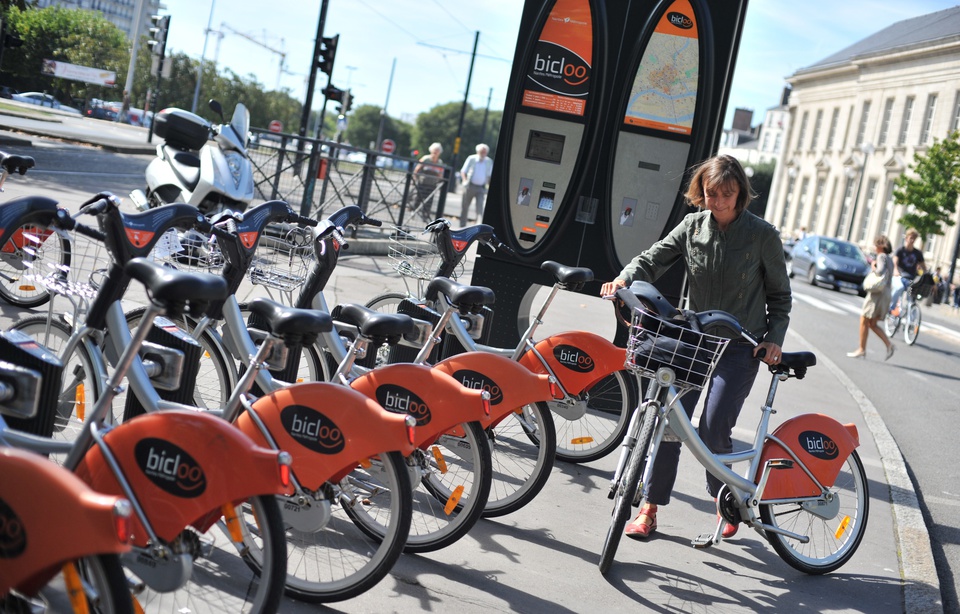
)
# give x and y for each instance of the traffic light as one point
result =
(158, 34)
(347, 101)
(327, 54)
(333, 93)
(8, 40)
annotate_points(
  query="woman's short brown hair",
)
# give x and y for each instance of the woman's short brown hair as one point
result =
(716, 172)
(883, 243)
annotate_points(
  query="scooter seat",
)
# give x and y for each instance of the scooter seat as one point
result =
(186, 166)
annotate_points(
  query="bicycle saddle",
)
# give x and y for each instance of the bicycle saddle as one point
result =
(177, 291)
(570, 276)
(463, 297)
(380, 327)
(286, 321)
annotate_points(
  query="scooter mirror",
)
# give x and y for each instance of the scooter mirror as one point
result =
(217, 108)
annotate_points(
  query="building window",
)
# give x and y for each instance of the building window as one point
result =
(928, 118)
(867, 209)
(955, 124)
(845, 207)
(803, 130)
(885, 122)
(833, 128)
(786, 200)
(801, 201)
(777, 142)
(816, 130)
(862, 129)
(905, 122)
(846, 132)
(817, 204)
(887, 211)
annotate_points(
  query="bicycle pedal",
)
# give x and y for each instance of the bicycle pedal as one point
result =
(702, 541)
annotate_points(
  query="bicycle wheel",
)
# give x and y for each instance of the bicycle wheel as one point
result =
(215, 379)
(83, 376)
(594, 425)
(103, 583)
(221, 581)
(626, 490)
(31, 249)
(343, 558)
(911, 324)
(522, 448)
(832, 540)
(892, 322)
(453, 477)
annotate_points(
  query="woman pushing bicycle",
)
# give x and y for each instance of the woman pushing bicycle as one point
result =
(734, 262)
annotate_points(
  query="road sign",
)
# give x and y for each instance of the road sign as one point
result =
(388, 146)
(275, 126)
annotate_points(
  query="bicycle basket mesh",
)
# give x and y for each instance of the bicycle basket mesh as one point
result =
(79, 272)
(283, 258)
(188, 250)
(655, 343)
(411, 256)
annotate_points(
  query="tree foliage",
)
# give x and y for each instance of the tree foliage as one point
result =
(364, 125)
(930, 192)
(439, 125)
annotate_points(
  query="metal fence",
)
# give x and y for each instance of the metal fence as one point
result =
(321, 176)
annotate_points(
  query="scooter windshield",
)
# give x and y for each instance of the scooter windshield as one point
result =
(240, 123)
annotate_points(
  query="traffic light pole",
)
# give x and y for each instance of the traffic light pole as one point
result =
(311, 84)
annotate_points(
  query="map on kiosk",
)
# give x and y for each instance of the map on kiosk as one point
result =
(664, 92)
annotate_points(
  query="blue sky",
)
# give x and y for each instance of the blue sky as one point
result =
(432, 40)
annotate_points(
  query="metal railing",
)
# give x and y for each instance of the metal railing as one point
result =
(321, 176)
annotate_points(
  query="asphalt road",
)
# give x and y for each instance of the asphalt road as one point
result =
(521, 558)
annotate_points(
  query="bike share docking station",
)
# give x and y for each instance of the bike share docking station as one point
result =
(609, 103)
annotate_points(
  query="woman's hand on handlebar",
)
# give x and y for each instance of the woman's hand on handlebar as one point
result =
(610, 288)
(773, 352)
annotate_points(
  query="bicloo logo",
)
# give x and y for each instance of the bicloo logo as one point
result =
(312, 429)
(573, 358)
(170, 467)
(399, 399)
(13, 538)
(680, 20)
(479, 381)
(818, 445)
(559, 70)
(573, 73)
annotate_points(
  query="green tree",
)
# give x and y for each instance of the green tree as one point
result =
(930, 192)
(439, 125)
(365, 125)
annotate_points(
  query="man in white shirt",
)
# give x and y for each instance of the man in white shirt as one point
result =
(475, 174)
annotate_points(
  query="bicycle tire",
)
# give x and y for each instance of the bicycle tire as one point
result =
(222, 581)
(83, 377)
(105, 586)
(216, 378)
(626, 490)
(891, 323)
(13, 289)
(602, 418)
(826, 551)
(344, 558)
(522, 450)
(911, 325)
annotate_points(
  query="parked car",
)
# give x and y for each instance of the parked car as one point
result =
(7, 92)
(98, 109)
(829, 261)
(44, 100)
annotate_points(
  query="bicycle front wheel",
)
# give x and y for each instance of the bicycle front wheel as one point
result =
(626, 490)
(83, 377)
(221, 581)
(911, 324)
(345, 557)
(34, 250)
(594, 425)
(833, 540)
(102, 581)
(522, 448)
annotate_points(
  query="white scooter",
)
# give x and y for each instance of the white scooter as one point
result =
(213, 175)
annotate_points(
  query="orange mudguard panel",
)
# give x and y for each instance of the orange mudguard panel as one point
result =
(510, 384)
(183, 466)
(578, 358)
(822, 443)
(327, 429)
(436, 400)
(48, 516)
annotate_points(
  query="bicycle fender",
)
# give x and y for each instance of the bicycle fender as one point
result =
(49, 516)
(183, 466)
(820, 442)
(327, 429)
(437, 401)
(578, 358)
(510, 384)
(25, 210)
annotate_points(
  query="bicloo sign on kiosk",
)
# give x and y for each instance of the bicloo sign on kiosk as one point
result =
(610, 102)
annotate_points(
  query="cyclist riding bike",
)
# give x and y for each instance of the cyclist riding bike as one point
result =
(909, 263)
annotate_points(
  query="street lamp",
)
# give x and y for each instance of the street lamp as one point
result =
(866, 149)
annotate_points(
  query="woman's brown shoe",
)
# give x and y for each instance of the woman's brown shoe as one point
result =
(644, 524)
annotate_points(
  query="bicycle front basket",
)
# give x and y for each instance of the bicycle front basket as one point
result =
(655, 343)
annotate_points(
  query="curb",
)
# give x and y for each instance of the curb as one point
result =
(918, 571)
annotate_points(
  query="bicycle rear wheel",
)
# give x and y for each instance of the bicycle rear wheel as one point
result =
(343, 558)
(522, 448)
(222, 581)
(627, 489)
(593, 427)
(103, 583)
(833, 540)
(31, 251)
(911, 324)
